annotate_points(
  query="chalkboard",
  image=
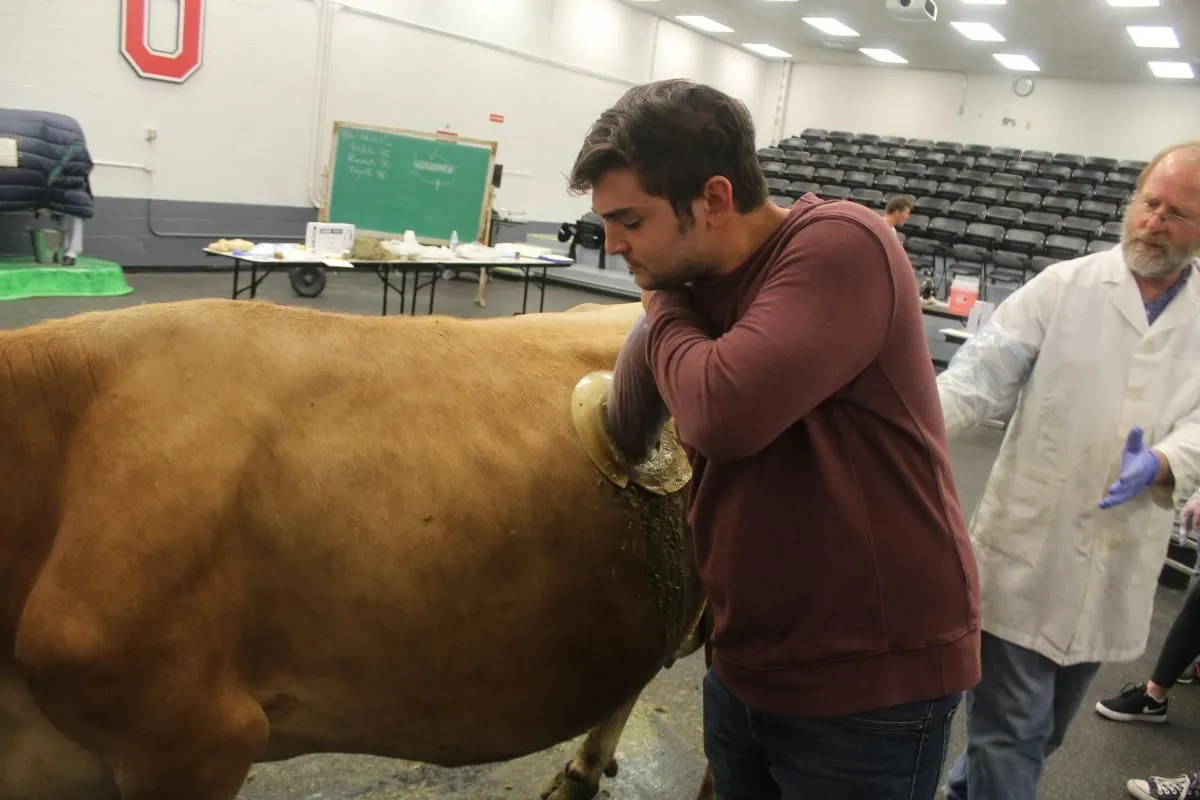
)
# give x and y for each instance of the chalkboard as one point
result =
(386, 182)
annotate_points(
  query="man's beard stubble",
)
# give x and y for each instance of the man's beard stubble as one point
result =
(1157, 259)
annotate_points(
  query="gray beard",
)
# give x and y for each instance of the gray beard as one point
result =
(1158, 265)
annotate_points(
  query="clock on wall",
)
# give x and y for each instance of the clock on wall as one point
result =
(1023, 87)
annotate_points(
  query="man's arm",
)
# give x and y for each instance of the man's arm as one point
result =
(986, 374)
(1180, 450)
(821, 316)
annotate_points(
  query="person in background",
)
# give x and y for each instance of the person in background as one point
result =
(897, 212)
(1147, 701)
(1095, 359)
(790, 350)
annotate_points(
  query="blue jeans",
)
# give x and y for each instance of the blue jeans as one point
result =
(1016, 717)
(891, 754)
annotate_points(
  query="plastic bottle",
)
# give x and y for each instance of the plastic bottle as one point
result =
(453, 241)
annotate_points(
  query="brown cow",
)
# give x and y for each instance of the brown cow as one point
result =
(236, 532)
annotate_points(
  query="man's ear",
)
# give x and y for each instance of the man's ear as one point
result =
(717, 200)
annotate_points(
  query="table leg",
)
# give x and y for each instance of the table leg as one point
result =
(253, 279)
(236, 265)
(542, 287)
(525, 297)
(387, 287)
(437, 272)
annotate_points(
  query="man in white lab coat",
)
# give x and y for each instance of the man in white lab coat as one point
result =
(1098, 361)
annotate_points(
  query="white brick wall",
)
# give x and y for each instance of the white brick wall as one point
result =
(240, 130)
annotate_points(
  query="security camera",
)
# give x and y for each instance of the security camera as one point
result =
(913, 10)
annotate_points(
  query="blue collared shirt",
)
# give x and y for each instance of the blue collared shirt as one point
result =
(1158, 304)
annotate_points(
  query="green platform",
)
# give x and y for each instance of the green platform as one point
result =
(22, 278)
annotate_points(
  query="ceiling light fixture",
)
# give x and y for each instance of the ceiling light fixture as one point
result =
(1174, 70)
(1017, 62)
(882, 54)
(830, 26)
(1134, 3)
(1153, 35)
(766, 50)
(978, 31)
(704, 23)
(984, 2)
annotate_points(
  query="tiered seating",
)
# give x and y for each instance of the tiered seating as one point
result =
(997, 213)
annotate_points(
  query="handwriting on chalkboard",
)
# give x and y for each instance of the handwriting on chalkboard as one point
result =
(367, 160)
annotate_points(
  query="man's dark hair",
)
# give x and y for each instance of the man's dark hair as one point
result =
(897, 204)
(677, 135)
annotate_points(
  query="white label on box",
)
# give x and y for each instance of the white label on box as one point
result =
(8, 153)
(335, 239)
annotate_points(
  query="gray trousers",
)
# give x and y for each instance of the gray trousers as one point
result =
(1016, 717)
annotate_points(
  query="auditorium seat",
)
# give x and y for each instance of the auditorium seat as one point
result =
(953, 191)
(932, 206)
(1101, 163)
(1087, 175)
(1043, 186)
(834, 192)
(1060, 205)
(890, 183)
(1018, 240)
(881, 166)
(922, 252)
(967, 259)
(1082, 227)
(941, 174)
(1005, 216)
(777, 185)
(973, 177)
(1064, 247)
(901, 154)
(989, 164)
(1121, 180)
(915, 225)
(781, 200)
(910, 169)
(960, 161)
(1109, 194)
(872, 198)
(1042, 221)
(799, 172)
(921, 186)
(919, 145)
(1024, 169)
(829, 175)
(1132, 167)
(774, 169)
(1005, 180)
(1038, 156)
(859, 180)
(823, 160)
(1006, 153)
(946, 230)
(1071, 160)
(801, 188)
(967, 211)
(1055, 172)
(1111, 232)
(982, 234)
(1039, 263)
(1098, 210)
(1080, 191)
(1100, 245)
(1026, 201)
(988, 195)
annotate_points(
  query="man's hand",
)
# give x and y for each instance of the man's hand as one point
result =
(1140, 467)
(1189, 515)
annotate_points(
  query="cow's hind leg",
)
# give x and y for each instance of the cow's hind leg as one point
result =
(141, 669)
(580, 779)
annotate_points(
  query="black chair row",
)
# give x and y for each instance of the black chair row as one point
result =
(995, 254)
(1081, 183)
(826, 140)
(950, 199)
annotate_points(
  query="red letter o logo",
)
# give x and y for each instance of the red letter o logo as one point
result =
(176, 67)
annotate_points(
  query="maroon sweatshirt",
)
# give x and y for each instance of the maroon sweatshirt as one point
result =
(827, 526)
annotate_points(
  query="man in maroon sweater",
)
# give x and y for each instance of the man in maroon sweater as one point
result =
(790, 349)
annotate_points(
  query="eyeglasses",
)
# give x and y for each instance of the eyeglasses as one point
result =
(1170, 216)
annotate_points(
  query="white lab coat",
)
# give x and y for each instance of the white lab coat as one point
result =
(1059, 575)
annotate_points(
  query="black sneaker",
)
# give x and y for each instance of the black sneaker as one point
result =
(1185, 787)
(1133, 705)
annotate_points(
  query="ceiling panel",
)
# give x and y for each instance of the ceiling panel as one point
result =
(1082, 39)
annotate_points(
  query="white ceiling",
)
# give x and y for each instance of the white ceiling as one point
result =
(1082, 39)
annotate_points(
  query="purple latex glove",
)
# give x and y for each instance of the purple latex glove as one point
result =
(1139, 468)
(636, 411)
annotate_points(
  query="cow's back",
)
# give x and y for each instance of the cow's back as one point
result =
(395, 520)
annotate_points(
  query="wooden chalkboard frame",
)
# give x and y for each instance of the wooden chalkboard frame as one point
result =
(483, 232)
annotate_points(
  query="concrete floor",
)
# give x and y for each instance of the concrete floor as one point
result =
(660, 754)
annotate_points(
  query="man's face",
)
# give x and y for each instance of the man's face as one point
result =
(663, 251)
(900, 217)
(1161, 232)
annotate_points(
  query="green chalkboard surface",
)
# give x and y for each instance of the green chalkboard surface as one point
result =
(386, 182)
